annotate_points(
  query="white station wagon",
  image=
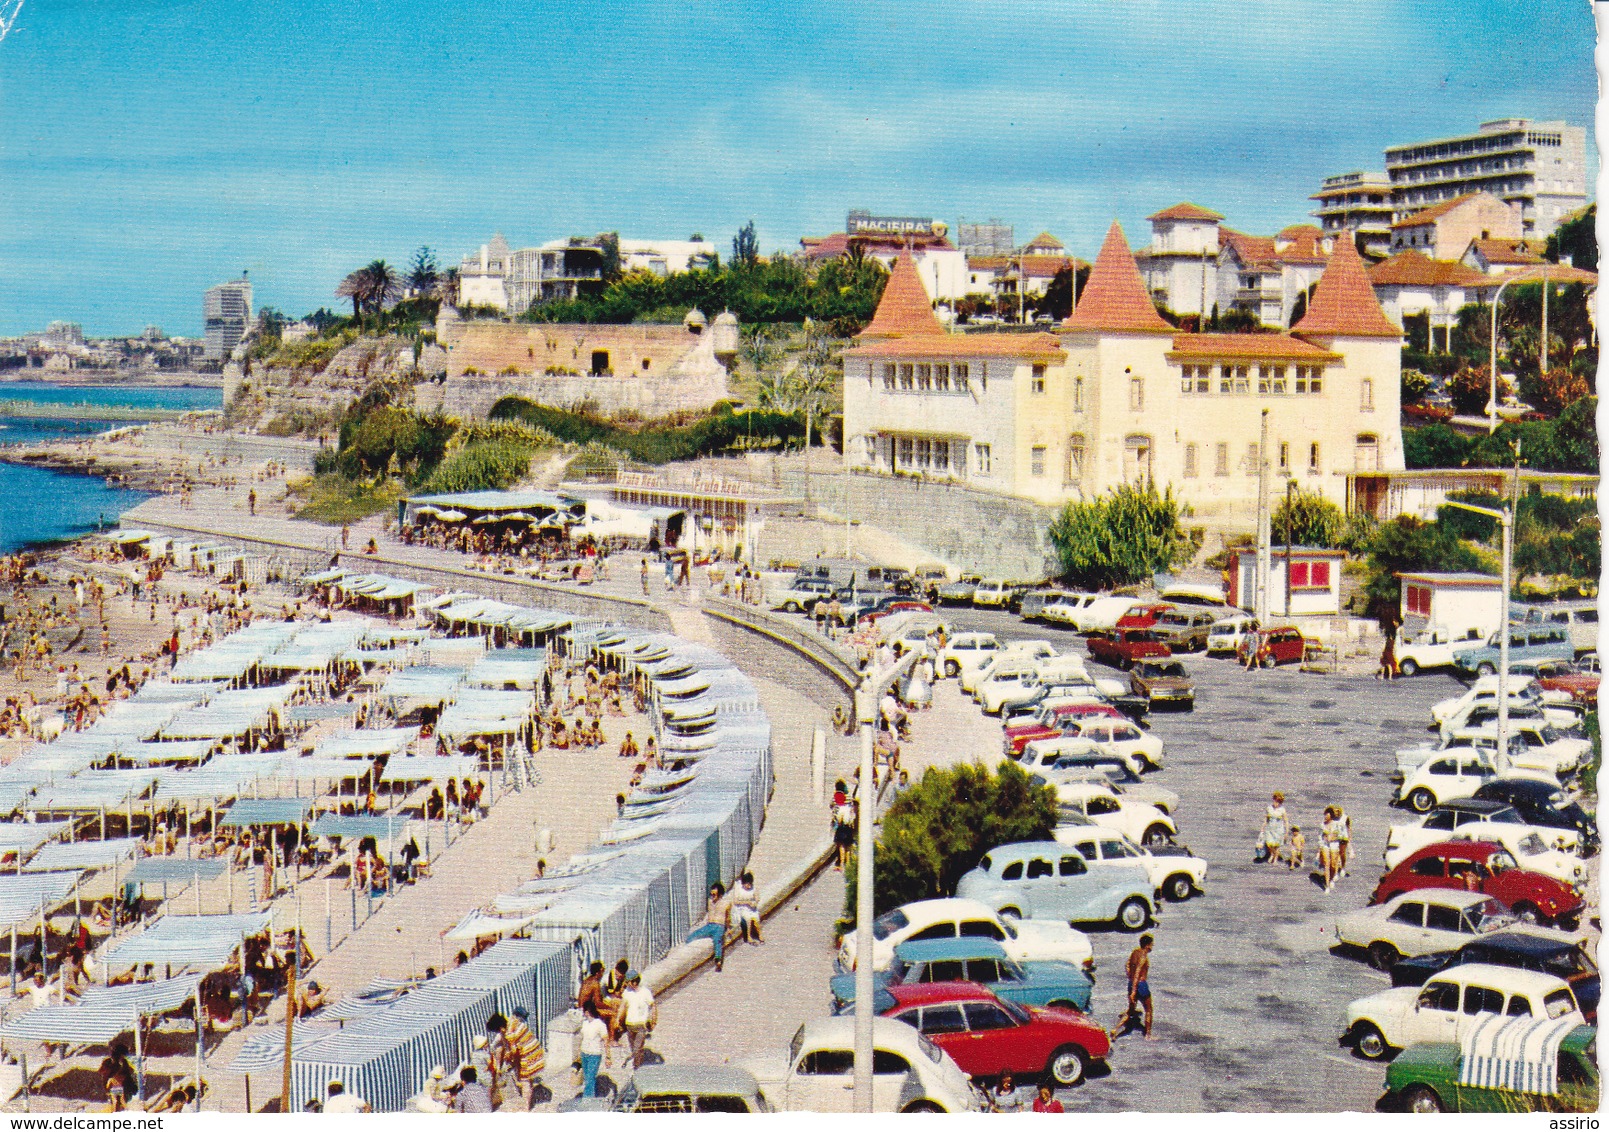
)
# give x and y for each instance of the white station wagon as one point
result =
(1447, 1007)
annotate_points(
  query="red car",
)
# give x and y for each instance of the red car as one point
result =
(1451, 864)
(1560, 677)
(1281, 644)
(988, 1037)
(1051, 724)
(1143, 616)
(1122, 647)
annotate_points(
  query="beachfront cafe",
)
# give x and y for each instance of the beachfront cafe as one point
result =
(537, 509)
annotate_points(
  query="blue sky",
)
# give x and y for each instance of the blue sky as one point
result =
(153, 147)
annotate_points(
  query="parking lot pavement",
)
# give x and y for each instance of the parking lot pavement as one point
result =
(1248, 995)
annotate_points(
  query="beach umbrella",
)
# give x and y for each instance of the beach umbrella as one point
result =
(450, 516)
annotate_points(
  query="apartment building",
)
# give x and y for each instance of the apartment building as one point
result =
(1180, 266)
(512, 280)
(226, 313)
(1444, 231)
(1359, 203)
(1115, 394)
(1540, 168)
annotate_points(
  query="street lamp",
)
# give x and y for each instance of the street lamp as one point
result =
(875, 682)
(1491, 405)
(1506, 518)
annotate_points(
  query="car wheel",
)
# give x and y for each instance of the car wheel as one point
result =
(951, 668)
(1421, 1098)
(1178, 887)
(791, 607)
(1067, 1065)
(1371, 1043)
(1134, 914)
(1010, 913)
(1526, 912)
(1486, 668)
(1422, 800)
(1408, 668)
(1382, 956)
(1064, 1004)
(921, 1106)
(1570, 923)
(1155, 835)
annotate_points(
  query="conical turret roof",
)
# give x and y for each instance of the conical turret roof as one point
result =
(905, 310)
(1115, 298)
(1343, 304)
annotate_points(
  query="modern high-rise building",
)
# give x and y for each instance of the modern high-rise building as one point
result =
(226, 311)
(1539, 168)
(1358, 202)
(993, 238)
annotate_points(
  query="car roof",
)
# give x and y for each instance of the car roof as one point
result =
(694, 1078)
(967, 947)
(1511, 978)
(1530, 786)
(943, 906)
(929, 994)
(1474, 805)
(1027, 848)
(1457, 897)
(1473, 850)
(1524, 942)
(839, 1029)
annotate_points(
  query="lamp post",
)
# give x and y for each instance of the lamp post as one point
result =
(1290, 487)
(1491, 405)
(872, 686)
(1506, 518)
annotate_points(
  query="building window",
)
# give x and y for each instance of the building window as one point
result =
(1284, 456)
(924, 378)
(1136, 394)
(1312, 459)
(1367, 387)
(1221, 462)
(1301, 379)
(1078, 395)
(1189, 461)
(1418, 599)
(1252, 467)
(924, 454)
(1187, 380)
(907, 376)
(1039, 379)
(890, 373)
(1137, 453)
(1242, 381)
(1366, 455)
(959, 373)
(1036, 460)
(1278, 387)
(1310, 575)
(1226, 379)
(941, 378)
(941, 456)
(1075, 458)
(1262, 379)
(980, 453)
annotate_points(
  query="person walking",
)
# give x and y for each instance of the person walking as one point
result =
(716, 919)
(1139, 980)
(1344, 846)
(1276, 826)
(1329, 852)
(1388, 655)
(645, 575)
(594, 1036)
(518, 1052)
(641, 1014)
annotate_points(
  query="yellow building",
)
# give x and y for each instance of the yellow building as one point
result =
(1116, 394)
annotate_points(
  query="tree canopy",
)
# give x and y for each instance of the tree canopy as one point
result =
(1124, 537)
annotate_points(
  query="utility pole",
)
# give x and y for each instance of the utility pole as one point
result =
(1264, 526)
(1506, 518)
(1290, 485)
(872, 686)
(1542, 359)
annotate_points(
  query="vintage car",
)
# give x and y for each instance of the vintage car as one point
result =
(1569, 959)
(1123, 737)
(1023, 940)
(1108, 770)
(669, 1087)
(1228, 631)
(1523, 692)
(1045, 880)
(1447, 1076)
(1100, 805)
(1045, 753)
(1460, 772)
(988, 1036)
(1044, 982)
(1163, 683)
(966, 652)
(1122, 648)
(1053, 722)
(1174, 872)
(1543, 804)
(1186, 629)
(1279, 644)
(1529, 642)
(1450, 1006)
(1417, 923)
(1550, 851)
(958, 592)
(816, 1073)
(1489, 868)
(994, 593)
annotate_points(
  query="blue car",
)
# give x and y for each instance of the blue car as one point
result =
(1525, 642)
(1046, 982)
(1044, 880)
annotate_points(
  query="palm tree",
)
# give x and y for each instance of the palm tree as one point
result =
(355, 287)
(384, 286)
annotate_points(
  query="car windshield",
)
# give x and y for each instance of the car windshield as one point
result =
(889, 923)
(1497, 862)
(1009, 928)
(1559, 1003)
(1488, 917)
(1168, 669)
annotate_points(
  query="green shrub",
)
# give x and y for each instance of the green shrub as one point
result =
(1126, 536)
(659, 442)
(489, 465)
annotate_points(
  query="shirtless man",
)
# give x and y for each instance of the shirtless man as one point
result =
(1139, 972)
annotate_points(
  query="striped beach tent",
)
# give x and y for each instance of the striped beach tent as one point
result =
(1518, 1053)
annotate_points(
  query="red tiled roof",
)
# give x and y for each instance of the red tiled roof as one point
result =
(1115, 298)
(1184, 210)
(1411, 269)
(1506, 251)
(1434, 212)
(824, 247)
(1250, 250)
(1299, 232)
(1246, 346)
(904, 310)
(1557, 273)
(1044, 240)
(1343, 304)
(1033, 266)
(980, 345)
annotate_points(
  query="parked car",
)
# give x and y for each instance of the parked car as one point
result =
(1491, 869)
(816, 1073)
(1091, 690)
(1103, 612)
(1163, 683)
(1007, 681)
(1204, 594)
(1417, 923)
(1450, 1005)
(1282, 644)
(982, 961)
(1110, 770)
(1579, 619)
(994, 593)
(1561, 678)
(953, 918)
(802, 594)
(1457, 773)
(958, 592)
(669, 1087)
(1099, 805)
(1122, 648)
(1027, 653)
(1551, 748)
(1174, 872)
(988, 1036)
(1145, 615)
(1031, 604)
(1569, 959)
(1064, 608)
(1524, 694)
(966, 652)
(1430, 1078)
(1228, 631)
(1550, 851)
(1528, 643)
(1544, 805)
(1042, 754)
(1410, 759)
(1053, 723)
(1185, 629)
(1122, 736)
(1432, 647)
(1043, 880)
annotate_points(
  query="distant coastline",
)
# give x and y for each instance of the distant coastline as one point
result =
(102, 379)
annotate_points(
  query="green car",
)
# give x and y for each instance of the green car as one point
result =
(1428, 1078)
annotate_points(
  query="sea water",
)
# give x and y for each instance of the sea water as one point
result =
(38, 506)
